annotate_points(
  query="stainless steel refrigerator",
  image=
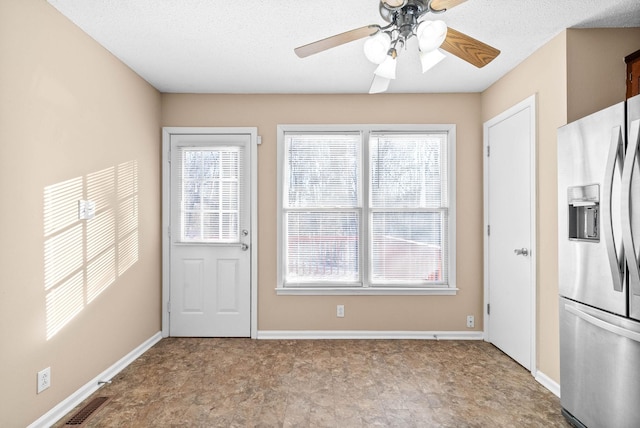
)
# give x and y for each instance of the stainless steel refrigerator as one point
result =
(599, 277)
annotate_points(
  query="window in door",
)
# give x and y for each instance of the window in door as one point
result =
(209, 194)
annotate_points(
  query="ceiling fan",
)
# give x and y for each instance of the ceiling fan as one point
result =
(406, 20)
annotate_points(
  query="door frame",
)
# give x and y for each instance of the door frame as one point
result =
(167, 132)
(531, 104)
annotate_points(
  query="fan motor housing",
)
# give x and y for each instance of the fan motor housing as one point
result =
(411, 7)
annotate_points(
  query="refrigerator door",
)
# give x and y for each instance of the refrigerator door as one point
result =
(631, 204)
(590, 251)
(599, 370)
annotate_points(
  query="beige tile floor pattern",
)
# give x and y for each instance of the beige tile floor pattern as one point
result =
(194, 382)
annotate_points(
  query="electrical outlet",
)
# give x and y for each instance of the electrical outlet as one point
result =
(340, 311)
(470, 321)
(44, 379)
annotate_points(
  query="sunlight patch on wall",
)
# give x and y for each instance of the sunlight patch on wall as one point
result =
(63, 303)
(128, 215)
(82, 258)
(62, 255)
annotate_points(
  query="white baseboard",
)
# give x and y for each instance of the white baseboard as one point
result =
(367, 334)
(548, 383)
(68, 404)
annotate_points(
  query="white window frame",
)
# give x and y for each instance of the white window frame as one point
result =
(366, 288)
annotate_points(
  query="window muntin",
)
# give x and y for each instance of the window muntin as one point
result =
(366, 209)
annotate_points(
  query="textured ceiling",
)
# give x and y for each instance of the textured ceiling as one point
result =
(223, 46)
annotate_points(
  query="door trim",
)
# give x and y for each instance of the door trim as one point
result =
(167, 132)
(531, 104)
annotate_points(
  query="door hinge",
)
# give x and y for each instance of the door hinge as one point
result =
(488, 230)
(169, 156)
(169, 306)
(169, 231)
(488, 308)
(488, 151)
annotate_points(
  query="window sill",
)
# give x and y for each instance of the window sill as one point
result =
(366, 291)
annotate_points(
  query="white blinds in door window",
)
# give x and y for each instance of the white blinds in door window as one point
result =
(209, 193)
(322, 208)
(408, 208)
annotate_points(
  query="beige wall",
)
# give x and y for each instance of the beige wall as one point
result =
(68, 110)
(543, 74)
(596, 69)
(415, 313)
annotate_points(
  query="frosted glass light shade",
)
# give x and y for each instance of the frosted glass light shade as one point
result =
(376, 47)
(387, 68)
(431, 34)
(429, 59)
(379, 84)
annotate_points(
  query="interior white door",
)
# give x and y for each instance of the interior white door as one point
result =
(210, 261)
(509, 262)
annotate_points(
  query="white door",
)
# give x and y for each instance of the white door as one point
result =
(210, 219)
(510, 233)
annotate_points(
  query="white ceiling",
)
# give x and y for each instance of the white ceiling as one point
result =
(226, 46)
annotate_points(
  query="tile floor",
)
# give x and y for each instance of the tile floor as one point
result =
(325, 383)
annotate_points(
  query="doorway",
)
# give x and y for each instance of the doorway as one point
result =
(209, 232)
(510, 232)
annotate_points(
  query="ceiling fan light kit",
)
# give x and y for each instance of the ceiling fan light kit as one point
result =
(387, 68)
(377, 46)
(405, 18)
(430, 59)
(431, 34)
(379, 84)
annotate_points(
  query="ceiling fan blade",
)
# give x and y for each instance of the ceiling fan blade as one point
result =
(469, 49)
(445, 4)
(337, 40)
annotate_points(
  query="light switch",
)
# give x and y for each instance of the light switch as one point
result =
(86, 209)
(90, 209)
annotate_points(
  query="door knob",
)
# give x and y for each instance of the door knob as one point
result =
(244, 247)
(521, 252)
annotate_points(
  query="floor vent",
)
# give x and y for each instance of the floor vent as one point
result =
(84, 414)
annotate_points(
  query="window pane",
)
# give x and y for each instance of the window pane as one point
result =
(211, 226)
(408, 170)
(211, 195)
(323, 170)
(408, 247)
(322, 246)
(209, 192)
(191, 227)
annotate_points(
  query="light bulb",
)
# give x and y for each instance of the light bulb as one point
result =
(376, 47)
(431, 34)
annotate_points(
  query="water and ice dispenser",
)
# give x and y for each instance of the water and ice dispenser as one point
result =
(584, 203)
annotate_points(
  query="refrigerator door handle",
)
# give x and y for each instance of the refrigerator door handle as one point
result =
(616, 258)
(620, 331)
(627, 235)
